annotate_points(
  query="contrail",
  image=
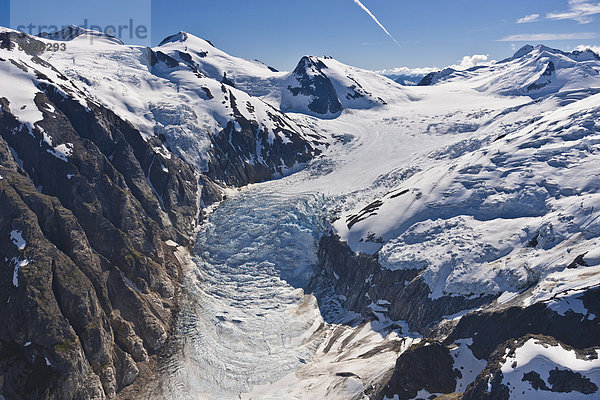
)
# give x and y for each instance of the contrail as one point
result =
(361, 5)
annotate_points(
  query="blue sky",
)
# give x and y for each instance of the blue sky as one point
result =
(279, 32)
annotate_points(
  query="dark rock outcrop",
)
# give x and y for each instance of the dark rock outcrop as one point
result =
(364, 282)
(245, 153)
(426, 365)
(314, 84)
(403, 295)
(566, 381)
(492, 328)
(434, 77)
(427, 80)
(545, 78)
(489, 384)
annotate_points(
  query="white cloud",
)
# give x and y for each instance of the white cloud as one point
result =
(472, 61)
(579, 10)
(407, 71)
(466, 63)
(583, 47)
(528, 18)
(546, 37)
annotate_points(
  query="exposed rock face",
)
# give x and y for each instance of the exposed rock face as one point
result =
(490, 384)
(566, 381)
(246, 153)
(489, 329)
(364, 283)
(95, 287)
(247, 149)
(314, 85)
(434, 77)
(426, 365)
(324, 87)
(402, 295)
(545, 78)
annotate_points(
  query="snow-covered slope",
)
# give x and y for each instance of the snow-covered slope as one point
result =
(73, 32)
(251, 76)
(488, 214)
(215, 126)
(535, 363)
(485, 215)
(325, 87)
(538, 367)
(531, 71)
(318, 86)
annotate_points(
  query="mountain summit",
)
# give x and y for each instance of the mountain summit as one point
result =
(75, 32)
(531, 71)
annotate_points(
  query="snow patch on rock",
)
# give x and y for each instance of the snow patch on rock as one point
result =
(62, 151)
(17, 238)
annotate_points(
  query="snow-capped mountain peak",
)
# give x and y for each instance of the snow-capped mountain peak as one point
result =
(183, 40)
(215, 63)
(532, 71)
(542, 50)
(76, 32)
(324, 87)
(319, 86)
(522, 51)
(180, 36)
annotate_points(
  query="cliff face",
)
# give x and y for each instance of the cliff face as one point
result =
(426, 365)
(366, 286)
(314, 85)
(88, 290)
(506, 363)
(493, 330)
(244, 152)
